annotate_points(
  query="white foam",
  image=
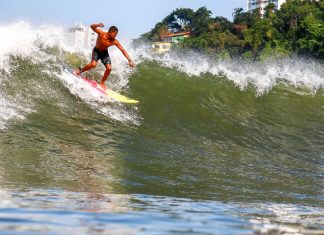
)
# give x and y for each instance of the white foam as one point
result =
(100, 103)
(20, 39)
(11, 109)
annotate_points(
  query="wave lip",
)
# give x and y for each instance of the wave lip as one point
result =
(21, 39)
(263, 76)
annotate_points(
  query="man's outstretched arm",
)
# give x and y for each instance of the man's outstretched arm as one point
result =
(94, 27)
(120, 47)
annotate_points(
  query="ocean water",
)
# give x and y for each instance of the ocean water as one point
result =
(213, 147)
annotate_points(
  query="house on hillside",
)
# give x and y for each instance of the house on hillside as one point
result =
(167, 40)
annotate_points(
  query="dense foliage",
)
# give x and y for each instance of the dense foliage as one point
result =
(297, 28)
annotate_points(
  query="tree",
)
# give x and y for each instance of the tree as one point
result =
(300, 23)
(247, 18)
(214, 42)
(313, 41)
(270, 11)
(259, 35)
(237, 13)
(201, 21)
(224, 23)
(179, 20)
(158, 31)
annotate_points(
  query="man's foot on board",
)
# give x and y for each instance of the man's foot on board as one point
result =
(77, 72)
(103, 86)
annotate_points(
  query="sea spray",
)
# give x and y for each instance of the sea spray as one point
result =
(296, 72)
(11, 109)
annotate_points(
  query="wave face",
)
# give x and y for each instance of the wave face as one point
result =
(225, 131)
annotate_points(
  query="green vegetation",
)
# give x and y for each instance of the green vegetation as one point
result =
(297, 28)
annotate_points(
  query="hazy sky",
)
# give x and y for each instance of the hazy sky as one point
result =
(132, 17)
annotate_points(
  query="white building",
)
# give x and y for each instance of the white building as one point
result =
(261, 4)
(81, 37)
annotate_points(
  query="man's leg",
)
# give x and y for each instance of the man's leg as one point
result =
(105, 76)
(91, 65)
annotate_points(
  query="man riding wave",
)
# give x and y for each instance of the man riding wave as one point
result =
(100, 51)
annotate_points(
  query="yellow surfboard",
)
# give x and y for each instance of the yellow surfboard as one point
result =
(110, 93)
(120, 98)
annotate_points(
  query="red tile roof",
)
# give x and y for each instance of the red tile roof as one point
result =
(175, 34)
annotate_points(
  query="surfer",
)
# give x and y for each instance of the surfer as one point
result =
(100, 51)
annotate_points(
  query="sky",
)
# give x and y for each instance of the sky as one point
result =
(132, 17)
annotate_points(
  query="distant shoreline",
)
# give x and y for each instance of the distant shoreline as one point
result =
(296, 28)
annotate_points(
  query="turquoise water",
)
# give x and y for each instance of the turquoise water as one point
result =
(212, 148)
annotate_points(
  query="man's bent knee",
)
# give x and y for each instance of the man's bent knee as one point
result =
(108, 67)
(93, 63)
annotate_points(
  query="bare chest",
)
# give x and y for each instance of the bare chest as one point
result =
(104, 42)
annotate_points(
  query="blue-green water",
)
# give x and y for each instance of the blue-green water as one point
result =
(62, 212)
(212, 148)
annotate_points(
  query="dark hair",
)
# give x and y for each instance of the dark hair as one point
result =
(113, 29)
